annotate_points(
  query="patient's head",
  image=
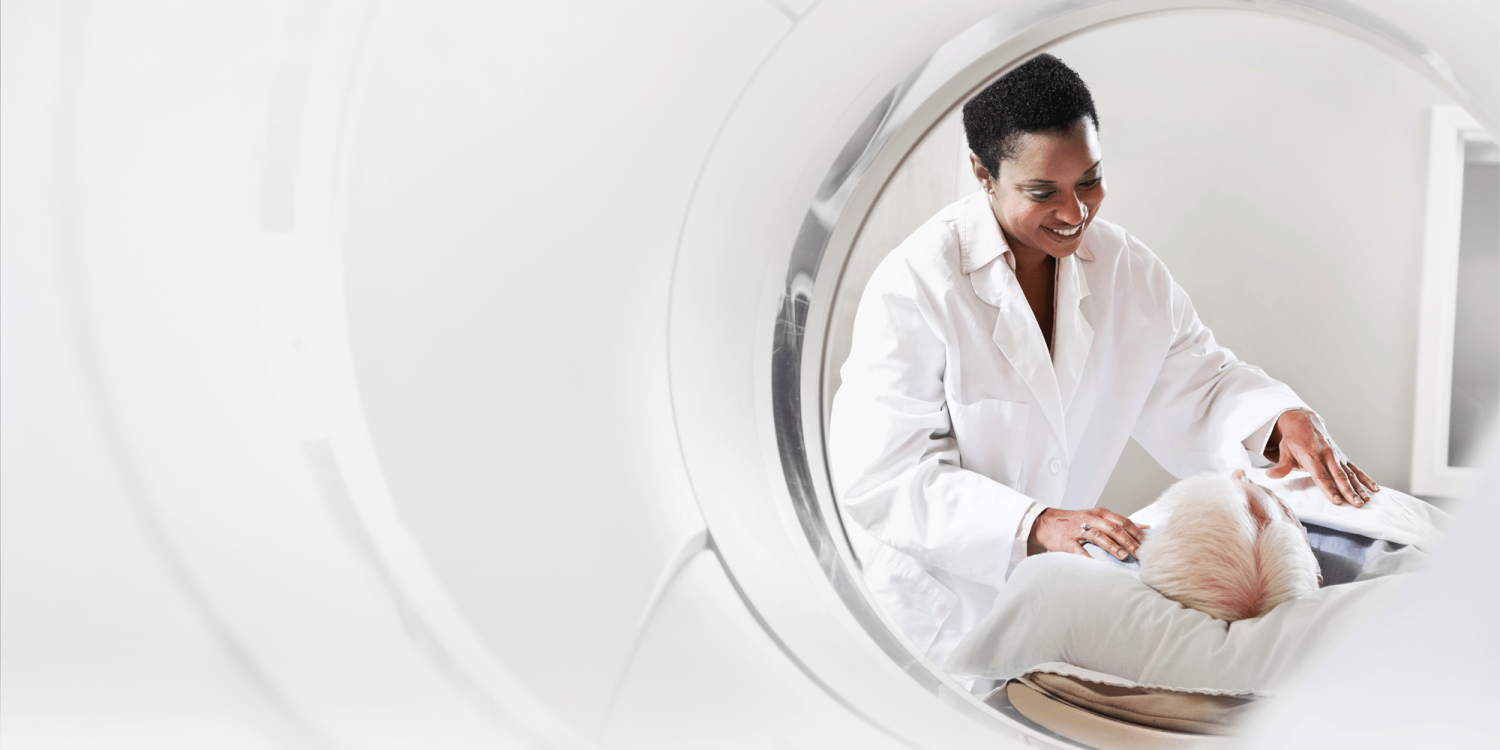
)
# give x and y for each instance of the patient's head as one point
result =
(1231, 549)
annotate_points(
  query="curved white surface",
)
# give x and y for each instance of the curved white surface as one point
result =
(416, 357)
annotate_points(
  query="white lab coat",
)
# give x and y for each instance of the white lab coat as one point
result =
(952, 418)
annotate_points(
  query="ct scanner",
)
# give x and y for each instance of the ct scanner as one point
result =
(459, 368)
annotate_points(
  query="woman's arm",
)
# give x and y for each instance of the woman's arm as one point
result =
(1205, 402)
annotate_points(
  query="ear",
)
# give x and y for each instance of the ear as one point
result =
(1240, 475)
(1259, 513)
(986, 181)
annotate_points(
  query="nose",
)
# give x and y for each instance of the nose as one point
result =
(1073, 211)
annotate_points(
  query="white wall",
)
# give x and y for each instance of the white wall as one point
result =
(1278, 169)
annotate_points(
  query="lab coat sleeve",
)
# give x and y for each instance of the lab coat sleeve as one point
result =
(1205, 403)
(894, 459)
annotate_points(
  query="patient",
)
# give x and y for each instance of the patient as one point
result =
(1231, 549)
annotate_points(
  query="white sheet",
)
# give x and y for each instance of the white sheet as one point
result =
(1390, 515)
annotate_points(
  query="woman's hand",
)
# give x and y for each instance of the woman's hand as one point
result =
(1300, 441)
(1058, 530)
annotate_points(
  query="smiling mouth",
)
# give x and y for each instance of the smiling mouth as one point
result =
(1065, 232)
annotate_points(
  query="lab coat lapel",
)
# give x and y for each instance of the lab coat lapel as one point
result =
(1073, 335)
(1016, 330)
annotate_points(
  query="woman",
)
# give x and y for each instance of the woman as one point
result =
(1005, 352)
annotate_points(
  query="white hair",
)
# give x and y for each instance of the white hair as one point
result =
(1230, 549)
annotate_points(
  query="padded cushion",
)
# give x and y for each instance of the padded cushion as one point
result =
(1094, 730)
(1170, 710)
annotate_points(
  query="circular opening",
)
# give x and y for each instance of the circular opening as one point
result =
(1295, 205)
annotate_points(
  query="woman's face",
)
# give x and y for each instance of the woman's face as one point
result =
(1048, 192)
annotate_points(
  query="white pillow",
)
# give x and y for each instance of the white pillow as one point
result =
(1061, 607)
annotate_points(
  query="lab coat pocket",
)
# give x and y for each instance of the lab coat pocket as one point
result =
(992, 438)
(909, 595)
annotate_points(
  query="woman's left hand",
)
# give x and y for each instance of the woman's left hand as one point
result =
(1304, 444)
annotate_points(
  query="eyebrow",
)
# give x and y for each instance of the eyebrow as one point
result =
(1054, 182)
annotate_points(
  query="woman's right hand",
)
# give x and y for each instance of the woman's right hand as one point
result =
(1057, 530)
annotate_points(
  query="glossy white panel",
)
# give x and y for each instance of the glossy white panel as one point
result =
(707, 675)
(518, 177)
(181, 296)
(99, 649)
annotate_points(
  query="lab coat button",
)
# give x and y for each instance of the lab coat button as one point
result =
(1056, 466)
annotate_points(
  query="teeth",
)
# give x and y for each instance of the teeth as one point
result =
(1066, 232)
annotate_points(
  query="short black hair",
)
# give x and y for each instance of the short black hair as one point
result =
(1041, 95)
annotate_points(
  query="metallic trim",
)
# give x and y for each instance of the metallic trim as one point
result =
(945, 79)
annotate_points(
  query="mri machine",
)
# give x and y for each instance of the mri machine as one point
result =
(314, 275)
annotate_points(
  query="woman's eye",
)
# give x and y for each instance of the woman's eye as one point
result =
(1042, 196)
(1090, 183)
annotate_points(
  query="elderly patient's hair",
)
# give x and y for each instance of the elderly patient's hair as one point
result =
(1230, 549)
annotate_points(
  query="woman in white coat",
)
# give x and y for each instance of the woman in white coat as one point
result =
(1002, 356)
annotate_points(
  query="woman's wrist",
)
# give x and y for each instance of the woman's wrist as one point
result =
(1273, 442)
(1033, 542)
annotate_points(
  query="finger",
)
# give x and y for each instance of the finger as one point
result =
(1136, 534)
(1102, 539)
(1125, 530)
(1078, 549)
(1352, 489)
(1365, 479)
(1324, 480)
(1341, 481)
(1127, 536)
(1354, 482)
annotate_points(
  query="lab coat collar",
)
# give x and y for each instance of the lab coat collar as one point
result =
(980, 240)
(1053, 379)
